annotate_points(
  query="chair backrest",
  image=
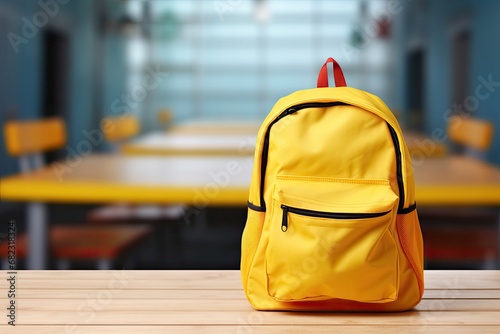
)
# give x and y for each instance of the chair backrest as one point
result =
(31, 138)
(121, 128)
(471, 133)
(164, 117)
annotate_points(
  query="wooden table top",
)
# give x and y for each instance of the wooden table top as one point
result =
(241, 128)
(154, 302)
(198, 180)
(237, 138)
(422, 146)
(161, 143)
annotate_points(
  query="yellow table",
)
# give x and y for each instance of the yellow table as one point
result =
(456, 180)
(200, 181)
(212, 302)
(451, 180)
(103, 178)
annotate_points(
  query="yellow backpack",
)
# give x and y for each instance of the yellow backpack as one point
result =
(332, 221)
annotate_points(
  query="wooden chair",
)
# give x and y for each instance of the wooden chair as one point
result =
(165, 117)
(27, 140)
(83, 243)
(471, 135)
(462, 242)
(466, 245)
(117, 130)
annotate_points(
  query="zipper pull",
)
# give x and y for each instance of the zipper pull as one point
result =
(284, 220)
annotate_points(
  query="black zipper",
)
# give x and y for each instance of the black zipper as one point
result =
(322, 214)
(399, 164)
(293, 110)
(265, 148)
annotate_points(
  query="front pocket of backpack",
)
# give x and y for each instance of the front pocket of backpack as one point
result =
(331, 239)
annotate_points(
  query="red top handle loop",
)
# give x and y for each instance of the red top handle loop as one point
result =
(338, 75)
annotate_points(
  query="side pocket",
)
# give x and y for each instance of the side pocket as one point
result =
(410, 237)
(250, 241)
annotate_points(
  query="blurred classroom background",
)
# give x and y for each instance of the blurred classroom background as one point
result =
(184, 80)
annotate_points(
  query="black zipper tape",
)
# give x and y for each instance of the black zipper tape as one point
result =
(294, 109)
(323, 214)
(409, 209)
(265, 148)
(256, 207)
(399, 167)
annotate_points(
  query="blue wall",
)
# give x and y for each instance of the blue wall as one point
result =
(432, 32)
(20, 84)
(83, 37)
(20, 79)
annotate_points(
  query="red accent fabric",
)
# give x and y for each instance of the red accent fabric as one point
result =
(338, 75)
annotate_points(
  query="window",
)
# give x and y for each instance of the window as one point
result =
(235, 59)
